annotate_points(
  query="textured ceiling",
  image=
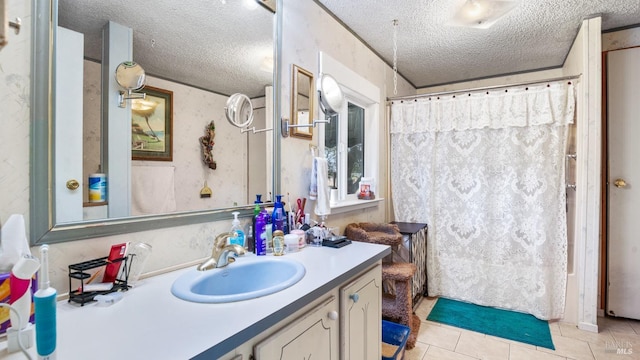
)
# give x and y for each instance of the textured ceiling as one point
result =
(225, 42)
(536, 34)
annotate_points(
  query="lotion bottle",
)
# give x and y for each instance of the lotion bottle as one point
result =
(261, 232)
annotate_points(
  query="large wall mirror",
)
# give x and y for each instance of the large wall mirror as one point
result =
(196, 55)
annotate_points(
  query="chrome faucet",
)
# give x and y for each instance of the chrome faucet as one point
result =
(221, 254)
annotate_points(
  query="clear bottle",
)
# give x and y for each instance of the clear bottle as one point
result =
(235, 227)
(268, 230)
(137, 255)
(278, 243)
(249, 241)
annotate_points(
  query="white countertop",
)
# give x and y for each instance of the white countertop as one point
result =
(151, 323)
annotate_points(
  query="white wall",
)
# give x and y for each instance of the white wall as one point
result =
(573, 66)
(14, 103)
(588, 62)
(621, 39)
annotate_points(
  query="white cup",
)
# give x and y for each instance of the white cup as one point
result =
(334, 197)
(292, 242)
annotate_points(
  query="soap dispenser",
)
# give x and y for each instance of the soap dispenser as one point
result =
(235, 227)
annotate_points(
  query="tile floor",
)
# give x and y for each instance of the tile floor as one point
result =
(443, 342)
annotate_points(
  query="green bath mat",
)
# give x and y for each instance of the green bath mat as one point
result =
(502, 323)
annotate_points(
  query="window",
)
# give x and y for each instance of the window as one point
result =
(350, 140)
(345, 149)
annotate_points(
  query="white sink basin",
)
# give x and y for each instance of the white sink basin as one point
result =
(246, 278)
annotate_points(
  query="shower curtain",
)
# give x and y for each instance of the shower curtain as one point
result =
(486, 171)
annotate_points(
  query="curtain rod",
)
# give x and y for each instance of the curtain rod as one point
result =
(409, 97)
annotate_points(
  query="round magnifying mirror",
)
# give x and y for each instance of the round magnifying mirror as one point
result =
(331, 96)
(239, 110)
(130, 75)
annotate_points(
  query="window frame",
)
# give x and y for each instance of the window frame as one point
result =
(371, 136)
(365, 93)
(342, 143)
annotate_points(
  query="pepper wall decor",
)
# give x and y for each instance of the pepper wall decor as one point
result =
(207, 143)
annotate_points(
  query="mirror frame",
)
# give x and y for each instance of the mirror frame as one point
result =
(301, 132)
(43, 228)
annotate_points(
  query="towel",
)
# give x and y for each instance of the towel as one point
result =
(322, 207)
(152, 190)
(313, 185)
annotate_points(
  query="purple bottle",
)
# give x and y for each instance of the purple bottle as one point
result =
(261, 235)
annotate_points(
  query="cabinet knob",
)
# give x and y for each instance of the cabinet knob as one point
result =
(620, 183)
(333, 315)
(355, 297)
(73, 184)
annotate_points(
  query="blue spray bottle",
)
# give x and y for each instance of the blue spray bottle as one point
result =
(278, 216)
(45, 310)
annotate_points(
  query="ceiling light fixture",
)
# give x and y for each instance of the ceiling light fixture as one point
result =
(482, 14)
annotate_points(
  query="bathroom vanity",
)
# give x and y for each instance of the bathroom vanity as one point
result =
(322, 312)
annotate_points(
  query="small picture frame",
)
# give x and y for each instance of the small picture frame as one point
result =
(152, 125)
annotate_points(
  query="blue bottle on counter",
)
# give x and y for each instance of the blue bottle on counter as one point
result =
(261, 233)
(278, 217)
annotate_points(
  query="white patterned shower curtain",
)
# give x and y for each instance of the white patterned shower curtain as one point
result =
(486, 172)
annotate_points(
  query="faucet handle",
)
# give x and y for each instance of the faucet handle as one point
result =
(222, 239)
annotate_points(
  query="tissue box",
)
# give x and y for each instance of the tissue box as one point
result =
(5, 296)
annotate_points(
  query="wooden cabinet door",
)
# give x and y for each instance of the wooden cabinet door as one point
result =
(361, 317)
(312, 336)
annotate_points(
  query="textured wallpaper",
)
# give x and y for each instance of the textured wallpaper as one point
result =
(14, 108)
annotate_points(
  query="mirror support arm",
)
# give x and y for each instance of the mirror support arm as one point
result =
(285, 125)
(253, 130)
(129, 95)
